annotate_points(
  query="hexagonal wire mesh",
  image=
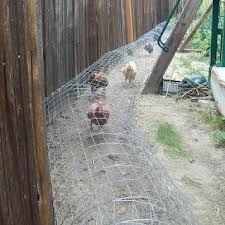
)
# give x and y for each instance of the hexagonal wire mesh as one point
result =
(109, 175)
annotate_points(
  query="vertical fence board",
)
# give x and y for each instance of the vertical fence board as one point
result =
(4, 207)
(24, 196)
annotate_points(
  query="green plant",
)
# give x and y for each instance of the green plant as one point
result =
(219, 136)
(168, 136)
(216, 121)
(219, 122)
(201, 38)
(206, 116)
(186, 62)
(193, 64)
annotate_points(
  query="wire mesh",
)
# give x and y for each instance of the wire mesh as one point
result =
(109, 175)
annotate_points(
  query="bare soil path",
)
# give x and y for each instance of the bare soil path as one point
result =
(200, 177)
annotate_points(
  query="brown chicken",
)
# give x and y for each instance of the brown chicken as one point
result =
(99, 113)
(149, 48)
(97, 80)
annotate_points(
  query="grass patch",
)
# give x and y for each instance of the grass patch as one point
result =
(216, 123)
(168, 136)
(186, 62)
(206, 116)
(219, 136)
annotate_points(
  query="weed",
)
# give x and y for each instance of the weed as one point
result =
(215, 121)
(168, 136)
(206, 116)
(189, 65)
(218, 122)
(217, 125)
(201, 39)
(186, 62)
(219, 136)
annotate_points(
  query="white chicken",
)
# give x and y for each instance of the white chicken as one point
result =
(129, 70)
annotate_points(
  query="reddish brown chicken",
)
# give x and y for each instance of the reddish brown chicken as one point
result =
(99, 113)
(97, 80)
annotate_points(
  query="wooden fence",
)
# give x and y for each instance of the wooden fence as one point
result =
(24, 189)
(72, 35)
(77, 33)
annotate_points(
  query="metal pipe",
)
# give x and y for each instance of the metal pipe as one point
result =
(214, 36)
(223, 44)
(160, 43)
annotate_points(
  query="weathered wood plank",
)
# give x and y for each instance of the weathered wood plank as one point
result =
(12, 132)
(38, 160)
(152, 83)
(4, 209)
(197, 26)
(129, 21)
(24, 195)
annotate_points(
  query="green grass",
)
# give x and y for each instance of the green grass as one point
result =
(219, 136)
(186, 62)
(168, 136)
(216, 124)
(206, 116)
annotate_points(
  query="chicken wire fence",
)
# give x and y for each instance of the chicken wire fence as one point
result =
(109, 175)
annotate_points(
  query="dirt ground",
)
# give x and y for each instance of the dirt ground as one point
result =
(113, 175)
(109, 176)
(200, 177)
